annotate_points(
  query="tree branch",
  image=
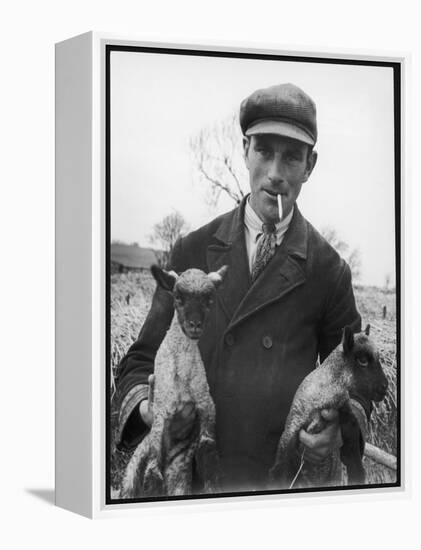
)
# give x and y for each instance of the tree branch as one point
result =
(218, 184)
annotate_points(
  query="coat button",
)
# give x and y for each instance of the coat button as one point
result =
(267, 342)
(229, 339)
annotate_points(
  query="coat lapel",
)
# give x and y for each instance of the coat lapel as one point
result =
(241, 299)
(230, 250)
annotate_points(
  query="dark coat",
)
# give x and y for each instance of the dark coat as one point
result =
(260, 340)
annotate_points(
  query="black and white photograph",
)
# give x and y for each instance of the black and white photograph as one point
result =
(253, 274)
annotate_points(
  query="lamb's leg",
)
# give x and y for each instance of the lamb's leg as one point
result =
(153, 481)
(287, 459)
(206, 455)
(322, 474)
(286, 463)
(132, 484)
(143, 476)
(350, 450)
(207, 464)
(179, 473)
(178, 459)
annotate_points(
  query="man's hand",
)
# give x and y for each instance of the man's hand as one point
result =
(319, 446)
(146, 406)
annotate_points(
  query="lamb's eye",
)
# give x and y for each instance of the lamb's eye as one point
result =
(178, 300)
(362, 361)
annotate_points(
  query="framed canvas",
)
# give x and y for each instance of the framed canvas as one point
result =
(229, 266)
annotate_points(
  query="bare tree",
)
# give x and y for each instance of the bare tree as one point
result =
(352, 257)
(333, 239)
(218, 159)
(354, 261)
(165, 233)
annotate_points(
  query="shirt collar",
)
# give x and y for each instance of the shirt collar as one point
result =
(254, 223)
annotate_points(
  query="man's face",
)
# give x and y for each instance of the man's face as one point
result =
(276, 165)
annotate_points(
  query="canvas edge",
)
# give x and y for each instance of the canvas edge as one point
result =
(73, 257)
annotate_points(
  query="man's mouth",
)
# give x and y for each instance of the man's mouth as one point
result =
(272, 194)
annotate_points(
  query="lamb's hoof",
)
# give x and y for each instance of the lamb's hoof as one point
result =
(278, 477)
(275, 478)
(207, 464)
(153, 482)
(357, 478)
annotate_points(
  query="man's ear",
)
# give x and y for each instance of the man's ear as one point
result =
(246, 147)
(311, 163)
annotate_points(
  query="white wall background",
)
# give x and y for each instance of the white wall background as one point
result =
(28, 33)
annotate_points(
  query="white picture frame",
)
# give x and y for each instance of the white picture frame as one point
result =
(82, 249)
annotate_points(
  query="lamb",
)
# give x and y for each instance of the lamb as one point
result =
(159, 465)
(354, 368)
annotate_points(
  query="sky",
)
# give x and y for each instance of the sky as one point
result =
(160, 101)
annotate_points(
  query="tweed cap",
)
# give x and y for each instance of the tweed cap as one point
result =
(283, 109)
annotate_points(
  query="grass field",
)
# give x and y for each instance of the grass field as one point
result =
(383, 425)
(131, 296)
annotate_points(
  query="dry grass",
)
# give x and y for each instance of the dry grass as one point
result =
(127, 319)
(383, 425)
(131, 296)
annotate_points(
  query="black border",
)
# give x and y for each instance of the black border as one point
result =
(397, 86)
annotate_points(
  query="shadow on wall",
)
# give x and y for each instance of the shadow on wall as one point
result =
(47, 495)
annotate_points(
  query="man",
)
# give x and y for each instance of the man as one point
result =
(282, 307)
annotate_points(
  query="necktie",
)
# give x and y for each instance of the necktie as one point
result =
(265, 249)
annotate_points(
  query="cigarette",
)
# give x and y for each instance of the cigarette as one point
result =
(279, 197)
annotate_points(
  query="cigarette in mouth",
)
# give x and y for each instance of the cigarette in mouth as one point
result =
(279, 197)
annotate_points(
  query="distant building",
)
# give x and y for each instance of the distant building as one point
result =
(127, 257)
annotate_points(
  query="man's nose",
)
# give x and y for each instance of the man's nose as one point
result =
(276, 171)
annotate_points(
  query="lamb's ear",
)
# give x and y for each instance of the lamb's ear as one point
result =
(347, 339)
(165, 279)
(218, 276)
(367, 330)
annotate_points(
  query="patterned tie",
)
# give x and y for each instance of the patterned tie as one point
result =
(265, 249)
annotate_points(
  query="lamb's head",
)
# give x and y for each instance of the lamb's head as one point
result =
(193, 292)
(362, 358)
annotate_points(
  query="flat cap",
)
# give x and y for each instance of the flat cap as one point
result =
(283, 109)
